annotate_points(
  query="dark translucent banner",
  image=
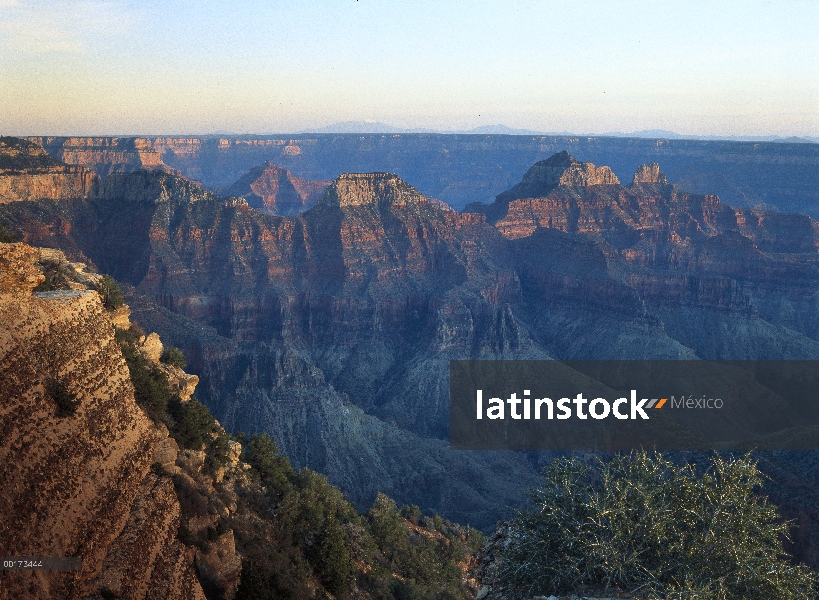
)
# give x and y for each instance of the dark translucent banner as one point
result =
(41, 563)
(624, 405)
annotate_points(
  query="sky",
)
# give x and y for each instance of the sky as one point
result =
(118, 67)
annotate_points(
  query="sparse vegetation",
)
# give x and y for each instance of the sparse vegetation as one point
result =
(151, 389)
(317, 531)
(643, 524)
(294, 530)
(58, 275)
(8, 237)
(173, 356)
(193, 423)
(110, 293)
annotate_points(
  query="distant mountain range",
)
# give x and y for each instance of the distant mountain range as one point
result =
(670, 135)
(499, 129)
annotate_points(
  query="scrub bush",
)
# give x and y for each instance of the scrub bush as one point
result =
(643, 524)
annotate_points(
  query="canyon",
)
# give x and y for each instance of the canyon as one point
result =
(333, 329)
(459, 169)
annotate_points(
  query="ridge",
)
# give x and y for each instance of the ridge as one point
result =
(363, 189)
(560, 169)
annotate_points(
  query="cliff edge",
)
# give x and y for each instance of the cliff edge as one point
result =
(76, 452)
(27, 172)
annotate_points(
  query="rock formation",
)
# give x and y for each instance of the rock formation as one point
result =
(460, 169)
(362, 189)
(76, 452)
(275, 191)
(545, 176)
(104, 155)
(649, 174)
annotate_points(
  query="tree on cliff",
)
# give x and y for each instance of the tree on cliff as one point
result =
(110, 293)
(174, 356)
(334, 565)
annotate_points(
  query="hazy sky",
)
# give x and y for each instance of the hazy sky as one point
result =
(201, 66)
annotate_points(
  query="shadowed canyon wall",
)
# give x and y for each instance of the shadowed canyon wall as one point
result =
(275, 191)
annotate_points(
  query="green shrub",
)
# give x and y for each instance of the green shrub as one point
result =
(174, 356)
(640, 522)
(474, 540)
(8, 237)
(423, 563)
(66, 401)
(129, 336)
(333, 564)
(151, 389)
(110, 293)
(411, 513)
(437, 522)
(58, 276)
(194, 423)
(217, 452)
(274, 470)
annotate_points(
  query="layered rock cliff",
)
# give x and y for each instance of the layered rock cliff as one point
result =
(559, 170)
(460, 169)
(649, 174)
(76, 452)
(28, 173)
(105, 155)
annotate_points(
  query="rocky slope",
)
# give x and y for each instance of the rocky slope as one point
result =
(275, 191)
(460, 169)
(76, 452)
(28, 173)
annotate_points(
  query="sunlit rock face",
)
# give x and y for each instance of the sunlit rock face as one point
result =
(650, 174)
(76, 452)
(27, 172)
(105, 155)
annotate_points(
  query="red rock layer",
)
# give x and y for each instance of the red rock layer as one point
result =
(27, 172)
(57, 183)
